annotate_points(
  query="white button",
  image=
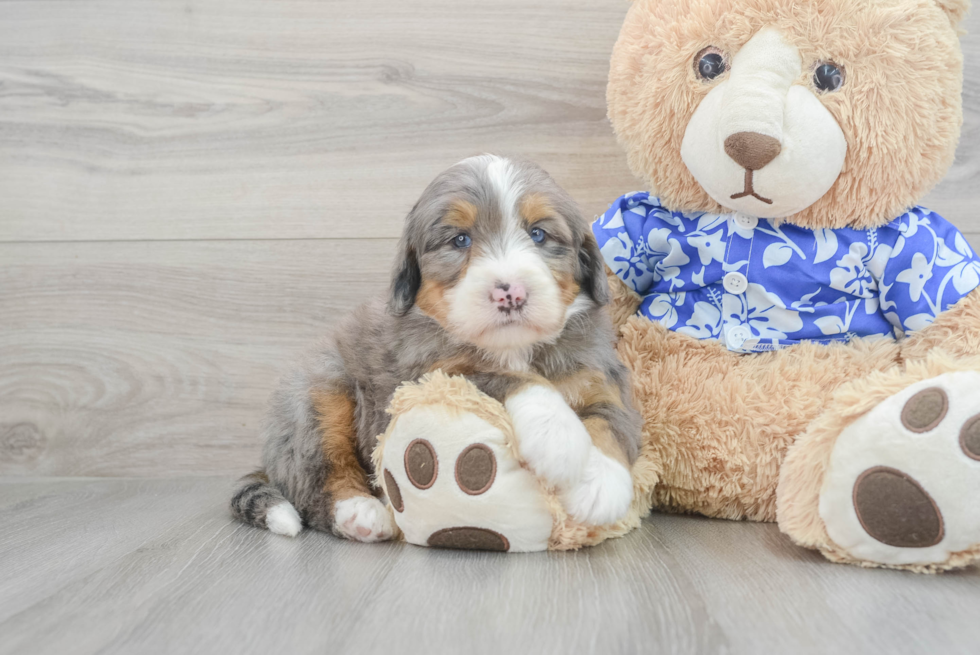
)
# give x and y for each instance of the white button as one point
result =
(738, 335)
(735, 283)
(746, 222)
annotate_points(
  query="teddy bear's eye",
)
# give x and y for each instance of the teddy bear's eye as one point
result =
(828, 77)
(710, 63)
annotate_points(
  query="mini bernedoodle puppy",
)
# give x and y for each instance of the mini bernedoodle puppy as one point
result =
(498, 279)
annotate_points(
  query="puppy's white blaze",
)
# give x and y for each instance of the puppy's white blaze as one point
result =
(283, 519)
(603, 495)
(551, 438)
(503, 178)
(363, 518)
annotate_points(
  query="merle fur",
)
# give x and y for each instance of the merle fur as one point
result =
(387, 342)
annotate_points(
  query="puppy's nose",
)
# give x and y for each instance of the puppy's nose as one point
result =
(752, 150)
(509, 296)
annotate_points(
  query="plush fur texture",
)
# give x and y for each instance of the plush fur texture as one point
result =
(900, 107)
(751, 436)
(454, 395)
(802, 474)
(718, 424)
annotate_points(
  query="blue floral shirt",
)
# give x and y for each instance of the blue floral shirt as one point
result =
(756, 286)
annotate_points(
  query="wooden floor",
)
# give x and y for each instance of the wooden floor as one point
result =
(157, 566)
(191, 193)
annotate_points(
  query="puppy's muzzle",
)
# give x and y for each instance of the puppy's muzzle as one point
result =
(509, 297)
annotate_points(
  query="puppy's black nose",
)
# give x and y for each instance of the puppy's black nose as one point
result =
(508, 297)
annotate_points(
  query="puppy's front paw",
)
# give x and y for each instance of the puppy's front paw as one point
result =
(363, 518)
(553, 441)
(604, 493)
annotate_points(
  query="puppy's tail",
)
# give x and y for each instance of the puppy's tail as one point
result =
(261, 504)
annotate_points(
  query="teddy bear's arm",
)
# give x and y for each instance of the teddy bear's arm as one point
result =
(956, 331)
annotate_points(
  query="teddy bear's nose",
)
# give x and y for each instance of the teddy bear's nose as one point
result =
(752, 150)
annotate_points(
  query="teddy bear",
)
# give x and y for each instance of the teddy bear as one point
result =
(803, 338)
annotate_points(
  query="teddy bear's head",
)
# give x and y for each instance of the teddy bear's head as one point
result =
(828, 113)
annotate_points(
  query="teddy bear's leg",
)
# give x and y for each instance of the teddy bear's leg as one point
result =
(448, 464)
(888, 474)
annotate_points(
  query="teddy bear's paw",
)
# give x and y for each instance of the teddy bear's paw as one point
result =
(603, 495)
(454, 482)
(553, 440)
(903, 479)
(363, 518)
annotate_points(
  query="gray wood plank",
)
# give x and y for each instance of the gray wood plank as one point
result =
(124, 566)
(158, 358)
(148, 119)
(291, 120)
(957, 197)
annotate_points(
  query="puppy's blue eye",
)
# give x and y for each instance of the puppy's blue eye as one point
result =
(537, 235)
(462, 241)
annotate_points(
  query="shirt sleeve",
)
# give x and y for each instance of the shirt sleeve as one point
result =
(931, 267)
(622, 237)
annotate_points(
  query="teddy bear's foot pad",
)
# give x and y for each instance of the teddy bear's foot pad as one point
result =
(453, 481)
(902, 479)
(469, 539)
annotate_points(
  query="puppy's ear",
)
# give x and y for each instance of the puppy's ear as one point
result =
(405, 281)
(592, 271)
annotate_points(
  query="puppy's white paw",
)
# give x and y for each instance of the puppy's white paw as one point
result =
(604, 493)
(363, 518)
(283, 519)
(552, 438)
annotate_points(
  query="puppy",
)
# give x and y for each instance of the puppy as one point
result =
(498, 279)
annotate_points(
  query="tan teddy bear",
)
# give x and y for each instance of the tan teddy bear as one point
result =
(804, 340)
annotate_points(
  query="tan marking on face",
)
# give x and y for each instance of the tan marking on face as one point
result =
(588, 387)
(603, 439)
(461, 214)
(431, 300)
(535, 207)
(335, 413)
(568, 286)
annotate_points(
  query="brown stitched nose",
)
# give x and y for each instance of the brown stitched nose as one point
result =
(752, 150)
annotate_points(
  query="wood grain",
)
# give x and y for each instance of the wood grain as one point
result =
(158, 358)
(191, 193)
(251, 119)
(125, 566)
(130, 343)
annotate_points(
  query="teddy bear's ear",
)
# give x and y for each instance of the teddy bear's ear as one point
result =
(955, 9)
